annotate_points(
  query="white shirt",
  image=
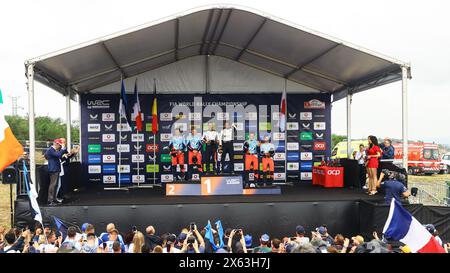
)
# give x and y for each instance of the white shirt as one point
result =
(360, 157)
(210, 136)
(226, 134)
(175, 250)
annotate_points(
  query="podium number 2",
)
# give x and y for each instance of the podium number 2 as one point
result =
(171, 189)
(208, 185)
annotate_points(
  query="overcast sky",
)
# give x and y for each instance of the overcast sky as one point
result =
(412, 31)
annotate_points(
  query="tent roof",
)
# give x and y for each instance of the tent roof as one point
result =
(238, 33)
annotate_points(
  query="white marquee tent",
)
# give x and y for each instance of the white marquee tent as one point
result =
(216, 49)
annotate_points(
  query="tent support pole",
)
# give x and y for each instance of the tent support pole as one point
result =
(349, 124)
(405, 116)
(207, 91)
(32, 140)
(68, 121)
(80, 156)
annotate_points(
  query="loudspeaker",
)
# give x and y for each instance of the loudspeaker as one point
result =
(9, 175)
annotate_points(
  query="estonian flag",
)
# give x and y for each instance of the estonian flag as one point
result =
(209, 235)
(32, 195)
(402, 226)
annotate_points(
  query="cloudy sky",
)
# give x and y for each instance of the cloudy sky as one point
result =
(412, 31)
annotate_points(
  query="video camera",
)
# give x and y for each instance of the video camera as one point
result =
(392, 175)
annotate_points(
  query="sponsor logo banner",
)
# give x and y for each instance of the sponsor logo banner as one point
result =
(223, 116)
(320, 146)
(108, 117)
(279, 176)
(238, 157)
(94, 148)
(124, 127)
(320, 126)
(306, 126)
(239, 126)
(306, 166)
(314, 104)
(98, 104)
(291, 126)
(108, 128)
(278, 136)
(150, 148)
(95, 169)
(109, 158)
(166, 158)
(306, 176)
(166, 178)
(94, 138)
(238, 167)
(306, 136)
(276, 116)
(109, 169)
(165, 137)
(137, 158)
(94, 127)
(94, 159)
(306, 156)
(138, 178)
(109, 179)
(292, 166)
(123, 168)
(108, 137)
(292, 146)
(165, 116)
(166, 168)
(293, 156)
(306, 116)
(123, 148)
(319, 135)
(279, 156)
(93, 117)
(251, 116)
(124, 178)
(195, 116)
(137, 147)
(265, 126)
(150, 168)
(137, 137)
(292, 115)
(238, 147)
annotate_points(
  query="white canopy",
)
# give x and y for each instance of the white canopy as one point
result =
(313, 60)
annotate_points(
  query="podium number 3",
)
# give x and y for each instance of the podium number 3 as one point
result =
(208, 185)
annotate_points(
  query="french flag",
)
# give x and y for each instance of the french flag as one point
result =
(402, 226)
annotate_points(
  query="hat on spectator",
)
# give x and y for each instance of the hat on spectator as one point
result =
(181, 237)
(58, 141)
(248, 240)
(265, 238)
(300, 229)
(84, 227)
(322, 230)
(221, 250)
(171, 238)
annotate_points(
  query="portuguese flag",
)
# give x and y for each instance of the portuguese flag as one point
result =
(10, 148)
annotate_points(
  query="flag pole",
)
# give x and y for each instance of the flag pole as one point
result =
(120, 133)
(285, 132)
(137, 137)
(154, 134)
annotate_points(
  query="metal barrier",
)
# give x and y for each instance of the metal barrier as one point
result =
(431, 193)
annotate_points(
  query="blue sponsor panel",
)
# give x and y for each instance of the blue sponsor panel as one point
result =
(280, 146)
(94, 159)
(306, 166)
(125, 179)
(109, 169)
(293, 156)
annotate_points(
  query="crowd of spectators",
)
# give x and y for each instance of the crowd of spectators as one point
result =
(192, 240)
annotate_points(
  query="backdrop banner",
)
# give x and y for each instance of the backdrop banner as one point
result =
(305, 143)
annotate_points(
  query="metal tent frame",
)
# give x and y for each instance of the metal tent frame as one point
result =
(261, 41)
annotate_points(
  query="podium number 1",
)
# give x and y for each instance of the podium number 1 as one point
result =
(208, 185)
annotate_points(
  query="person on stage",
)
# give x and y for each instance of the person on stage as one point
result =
(54, 155)
(211, 139)
(267, 152)
(226, 138)
(194, 146)
(177, 147)
(373, 155)
(251, 158)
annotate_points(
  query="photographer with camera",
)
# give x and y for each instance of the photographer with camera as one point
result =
(391, 183)
(194, 146)
(237, 237)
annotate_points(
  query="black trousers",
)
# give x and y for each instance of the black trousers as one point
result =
(362, 175)
(52, 187)
(210, 152)
(227, 148)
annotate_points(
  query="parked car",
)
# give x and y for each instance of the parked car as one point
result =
(445, 161)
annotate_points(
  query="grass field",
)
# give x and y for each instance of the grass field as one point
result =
(434, 184)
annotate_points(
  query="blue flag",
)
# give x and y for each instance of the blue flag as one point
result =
(60, 226)
(220, 231)
(124, 112)
(209, 235)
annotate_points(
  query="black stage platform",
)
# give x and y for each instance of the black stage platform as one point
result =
(347, 211)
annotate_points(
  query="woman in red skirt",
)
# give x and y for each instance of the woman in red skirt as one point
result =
(373, 154)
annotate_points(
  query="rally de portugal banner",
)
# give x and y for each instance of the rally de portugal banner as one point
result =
(304, 143)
